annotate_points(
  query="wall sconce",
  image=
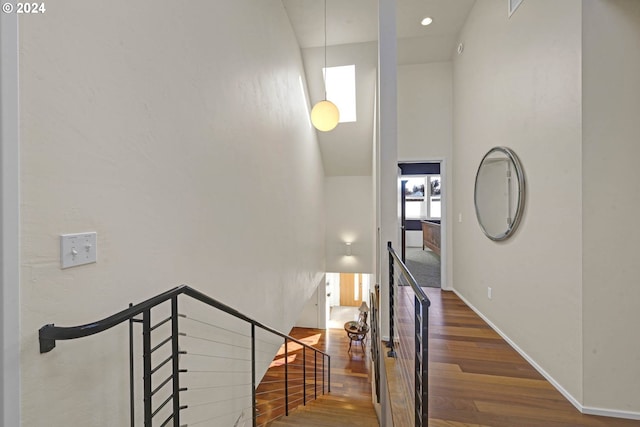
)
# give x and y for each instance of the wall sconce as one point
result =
(347, 249)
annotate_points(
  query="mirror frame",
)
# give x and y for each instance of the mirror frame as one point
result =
(521, 193)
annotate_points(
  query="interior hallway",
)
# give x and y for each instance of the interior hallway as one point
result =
(477, 379)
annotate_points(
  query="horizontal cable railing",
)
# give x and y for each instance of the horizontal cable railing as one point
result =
(410, 350)
(200, 363)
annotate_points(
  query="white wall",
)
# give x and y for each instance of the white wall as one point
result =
(348, 219)
(611, 204)
(424, 111)
(180, 134)
(518, 84)
(346, 150)
(314, 312)
(9, 223)
(425, 132)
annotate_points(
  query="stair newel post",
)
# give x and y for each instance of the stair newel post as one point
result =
(315, 374)
(253, 376)
(304, 376)
(286, 378)
(146, 362)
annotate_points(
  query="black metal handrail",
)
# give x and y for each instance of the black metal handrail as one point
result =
(421, 335)
(49, 334)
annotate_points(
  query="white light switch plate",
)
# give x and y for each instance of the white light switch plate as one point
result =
(78, 249)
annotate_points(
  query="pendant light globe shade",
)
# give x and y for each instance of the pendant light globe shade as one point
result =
(325, 116)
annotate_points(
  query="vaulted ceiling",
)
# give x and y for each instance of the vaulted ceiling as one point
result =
(352, 35)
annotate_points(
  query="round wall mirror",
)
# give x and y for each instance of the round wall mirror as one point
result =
(499, 193)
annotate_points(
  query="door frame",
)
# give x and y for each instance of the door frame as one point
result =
(9, 223)
(444, 219)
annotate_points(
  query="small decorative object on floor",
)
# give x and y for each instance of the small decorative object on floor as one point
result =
(357, 331)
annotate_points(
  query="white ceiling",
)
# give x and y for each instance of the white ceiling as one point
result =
(353, 24)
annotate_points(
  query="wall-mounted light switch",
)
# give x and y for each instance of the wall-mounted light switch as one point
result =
(489, 292)
(78, 249)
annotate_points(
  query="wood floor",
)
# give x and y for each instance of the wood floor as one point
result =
(477, 379)
(348, 404)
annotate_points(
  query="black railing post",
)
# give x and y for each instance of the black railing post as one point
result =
(391, 352)
(328, 373)
(323, 374)
(417, 363)
(286, 378)
(304, 376)
(315, 375)
(49, 334)
(146, 362)
(375, 340)
(424, 331)
(131, 374)
(175, 362)
(253, 376)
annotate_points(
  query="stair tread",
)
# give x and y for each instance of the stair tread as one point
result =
(329, 411)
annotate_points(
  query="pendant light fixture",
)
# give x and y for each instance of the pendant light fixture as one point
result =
(325, 115)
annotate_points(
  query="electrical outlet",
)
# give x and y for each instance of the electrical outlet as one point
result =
(489, 290)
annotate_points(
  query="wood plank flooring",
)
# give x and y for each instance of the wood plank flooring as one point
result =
(477, 379)
(348, 404)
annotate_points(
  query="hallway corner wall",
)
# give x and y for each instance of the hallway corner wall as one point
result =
(611, 204)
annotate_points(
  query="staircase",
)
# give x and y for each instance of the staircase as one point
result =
(330, 410)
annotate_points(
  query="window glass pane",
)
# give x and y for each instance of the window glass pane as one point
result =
(356, 287)
(435, 207)
(414, 192)
(414, 189)
(340, 83)
(414, 210)
(434, 182)
(434, 197)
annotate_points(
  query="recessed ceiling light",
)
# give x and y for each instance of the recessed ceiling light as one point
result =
(426, 21)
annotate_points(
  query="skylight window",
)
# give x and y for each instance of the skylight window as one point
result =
(340, 83)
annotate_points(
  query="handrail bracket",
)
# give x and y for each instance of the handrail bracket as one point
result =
(46, 344)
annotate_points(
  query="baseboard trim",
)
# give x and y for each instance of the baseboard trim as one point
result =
(522, 353)
(583, 409)
(587, 410)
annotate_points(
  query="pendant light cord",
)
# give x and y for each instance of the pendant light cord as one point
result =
(325, 51)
